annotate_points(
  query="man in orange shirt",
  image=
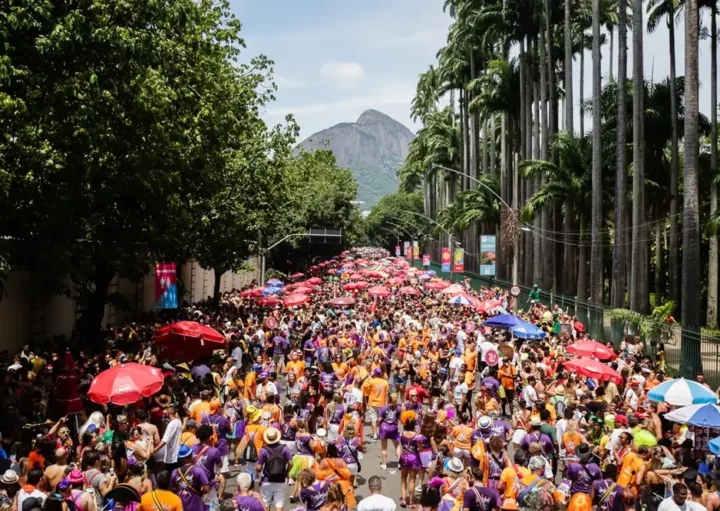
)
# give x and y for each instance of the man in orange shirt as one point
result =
(375, 390)
(512, 474)
(296, 365)
(462, 433)
(508, 373)
(161, 499)
(202, 409)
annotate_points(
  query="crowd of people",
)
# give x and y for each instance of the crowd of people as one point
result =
(467, 417)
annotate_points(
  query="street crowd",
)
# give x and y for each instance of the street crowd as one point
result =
(476, 416)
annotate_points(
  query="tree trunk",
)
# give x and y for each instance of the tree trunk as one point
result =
(712, 305)
(611, 35)
(523, 72)
(493, 146)
(597, 224)
(568, 68)
(659, 227)
(570, 285)
(545, 214)
(537, 240)
(582, 284)
(552, 110)
(619, 280)
(581, 91)
(485, 148)
(89, 325)
(216, 287)
(468, 141)
(691, 360)
(674, 256)
(638, 278)
(474, 129)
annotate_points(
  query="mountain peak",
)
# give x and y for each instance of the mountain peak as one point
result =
(373, 116)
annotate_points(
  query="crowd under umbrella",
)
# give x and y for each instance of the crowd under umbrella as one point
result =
(461, 300)
(453, 289)
(274, 283)
(269, 301)
(593, 368)
(682, 392)
(186, 340)
(489, 306)
(314, 281)
(125, 384)
(342, 301)
(409, 290)
(503, 321)
(703, 415)
(587, 348)
(295, 300)
(380, 291)
(425, 276)
(436, 285)
(252, 293)
(525, 330)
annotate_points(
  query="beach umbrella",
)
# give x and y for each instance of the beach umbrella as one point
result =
(356, 276)
(704, 415)
(352, 286)
(188, 339)
(453, 290)
(682, 392)
(436, 285)
(296, 299)
(379, 291)
(714, 446)
(297, 275)
(409, 290)
(342, 301)
(314, 281)
(432, 273)
(587, 348)
(460, 300)
(125, 384)
(274, 283)
(396, 281)
(269, 301)
(425, 276)
(593, 369)
(503, 321)
(303, 290)
(272, 291)
(489, 305)
(526, 330)
(252, 293)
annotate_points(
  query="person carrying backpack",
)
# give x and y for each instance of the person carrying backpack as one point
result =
(273, 465)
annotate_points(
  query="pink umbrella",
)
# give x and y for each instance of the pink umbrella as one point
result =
(269, 301)
(396, 281)
(453, 290)
(297, 275)
(379, 291)
(303, 290)
(489, 305)
(437, 285)
(342, 301)
(252, 293)
(314, 281)
(356, 276)
(294, 300)
(591, 349)
(409, 290)
(593, 369)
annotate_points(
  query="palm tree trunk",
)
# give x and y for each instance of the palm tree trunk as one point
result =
(552, 113)
(493, 145)
(638, 278)
(712, 306)
(619, 281)
(568, 68)
(674, 256)
(545, 214)
(485, 152)
(570, 285)
(582, 89)
(691, 362)
(523, 72)
(537, 240)
(582, 285)
(611, 35)
(659, 226)
(596, 237)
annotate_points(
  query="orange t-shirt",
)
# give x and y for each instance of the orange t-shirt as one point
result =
(201, 410)
(340, 369)
(463, 436)
(376, 390)
(296, 366)
(507, 375)
(509, 476)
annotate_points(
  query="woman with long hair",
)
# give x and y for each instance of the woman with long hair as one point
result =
(348, 446)
(334, 413)
(389, 416)
(335, 500)
(410, 465)
(332, 468)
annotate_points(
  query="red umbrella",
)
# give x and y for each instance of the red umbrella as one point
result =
(352, 286)
(297, 275)
(298, 299)
(356, 276)
(591, 349)
(342, 301)
(188, 339)
(269, 301)
(593, 369)
(125, 384)
(409, 290)
(379, 291)
(315, 281)
(303, 290)
(436, 285)
(252, 293)
(454, 289)
(396, 281)
(489, 305)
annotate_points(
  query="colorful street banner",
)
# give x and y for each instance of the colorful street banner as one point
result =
(166, 286)
(416, 250)
(445, 260)
(426, 259)
(408, 249)
(488, 251)
(397, 250)
(459, 264)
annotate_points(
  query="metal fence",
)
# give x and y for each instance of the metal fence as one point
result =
(688, 351)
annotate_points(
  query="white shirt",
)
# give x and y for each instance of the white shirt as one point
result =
(615, 438)
(376, 502)
(352, 397)
(172, 441)
(530, 396)
(269, 388)
(633, 398)
(670, 505)
(455, 365)
(560, 427)
(459, 392)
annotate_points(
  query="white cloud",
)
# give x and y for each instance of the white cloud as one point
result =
(284, 83)
(345, 74)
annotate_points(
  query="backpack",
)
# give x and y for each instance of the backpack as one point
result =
(251, 454)
(276, 466)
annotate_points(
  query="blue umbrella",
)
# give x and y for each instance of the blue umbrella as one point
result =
(706, 415)
(431, 273)
(504, 321)
(271, 291)
(527, 331)
(682, 392)
(274, 283)
(715, 446)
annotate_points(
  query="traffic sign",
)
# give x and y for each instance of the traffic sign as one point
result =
(515, 290)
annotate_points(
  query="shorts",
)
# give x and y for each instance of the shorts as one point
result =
(372, 413)
(353, 468)
(211, 498)
(333, 432)
(277, 359)
(273, 494)
(461, 453)
(225, 468)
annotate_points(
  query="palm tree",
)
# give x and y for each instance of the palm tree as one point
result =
(639, 275)
(596, 252)
(568, 67)
(712, 297)
(690, 310)
(657, 10)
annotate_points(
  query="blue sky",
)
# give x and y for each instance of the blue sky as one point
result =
(336, 58)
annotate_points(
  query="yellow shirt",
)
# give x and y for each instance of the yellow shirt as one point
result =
(463, 436)
(168, 500)
(296, 366)
(509, 476)
(376, 390)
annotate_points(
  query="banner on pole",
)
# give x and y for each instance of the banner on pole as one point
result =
(459, 264)
(416, 250)
(408, 249)
(488, 251)
(445, 260)
(166, 286)
(426, 259)
(397, 250)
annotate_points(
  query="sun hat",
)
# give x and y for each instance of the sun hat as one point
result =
(253, 413)
(321, 432)
(485, 422)
(271, 436)
(191, 423)
(535, 421)
(9, 477)
(559, 390)
(455, 465)
(75, 476)
(536, 462)
(583, 451)
(184, 451)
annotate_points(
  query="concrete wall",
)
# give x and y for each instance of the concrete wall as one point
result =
(27, 315)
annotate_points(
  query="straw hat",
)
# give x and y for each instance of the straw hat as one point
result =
(455, 465)
(271, 436)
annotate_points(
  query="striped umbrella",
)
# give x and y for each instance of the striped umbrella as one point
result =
(682, 392)
(706, 415)
(460, 300)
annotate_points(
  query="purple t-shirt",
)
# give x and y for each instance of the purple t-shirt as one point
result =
(500, 428)
(265, 454)
(490, 383)
(614, 500)
(315, 495)
(309, 349)
(248, 503)
(328, 379)
(209, 461)
(280, 345)
(188, 488)
(222, 427)
(347, 449)
(480, 498)
(582, 478)
(540, 438)
(389, 415)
